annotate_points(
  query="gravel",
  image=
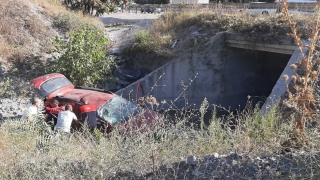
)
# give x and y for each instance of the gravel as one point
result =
(242, 166)
(13, 108)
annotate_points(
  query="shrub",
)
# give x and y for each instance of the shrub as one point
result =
(81, 57)
(142, 36)
(97, 7)
(62, 22)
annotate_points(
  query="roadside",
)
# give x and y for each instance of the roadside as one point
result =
(121, 27)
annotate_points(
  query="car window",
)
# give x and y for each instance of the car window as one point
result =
(117, 109)
(53, 85)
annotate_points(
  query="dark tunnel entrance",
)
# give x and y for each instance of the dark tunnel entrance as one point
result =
(250, 73)
(245, 73)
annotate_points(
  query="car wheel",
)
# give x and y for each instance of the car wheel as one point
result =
(265, 13)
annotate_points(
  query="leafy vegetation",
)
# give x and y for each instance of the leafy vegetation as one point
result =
(82, 57)
(94, 7)
(26, 36)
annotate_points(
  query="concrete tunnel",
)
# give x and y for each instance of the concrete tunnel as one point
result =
(226, 72)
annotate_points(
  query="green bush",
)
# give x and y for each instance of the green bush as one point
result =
(142, 36)
(82, 57)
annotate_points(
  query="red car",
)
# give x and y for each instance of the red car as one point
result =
(114, 112)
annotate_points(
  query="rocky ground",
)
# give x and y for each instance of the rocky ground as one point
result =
(12, 108)
(241, 166)
(233, 166)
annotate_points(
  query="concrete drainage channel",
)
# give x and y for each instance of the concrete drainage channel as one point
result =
(228, 70)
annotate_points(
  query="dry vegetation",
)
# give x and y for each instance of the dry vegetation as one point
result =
(302, 96)
(23, 32)
(171, 25)
(32, 151)
(27, 29)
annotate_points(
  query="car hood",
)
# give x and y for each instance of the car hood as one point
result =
(94, 97)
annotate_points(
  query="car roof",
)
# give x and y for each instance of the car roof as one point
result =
(94, 97)
(39, 80)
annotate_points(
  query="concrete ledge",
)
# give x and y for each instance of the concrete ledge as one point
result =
(276, 48)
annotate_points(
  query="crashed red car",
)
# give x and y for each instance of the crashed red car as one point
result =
(114, 112)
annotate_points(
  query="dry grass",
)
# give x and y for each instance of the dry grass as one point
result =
(63, 19)
(5, 49)
(31, 151)
(171, 26)
(28, 27)
(54, 7)
(302, 94)
(25, 29)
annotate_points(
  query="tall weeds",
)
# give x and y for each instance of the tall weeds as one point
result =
(302, 95)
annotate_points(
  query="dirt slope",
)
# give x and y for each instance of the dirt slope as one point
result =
(25, 32)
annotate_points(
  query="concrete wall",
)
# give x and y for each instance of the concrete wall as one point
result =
(279, 88)
(224, 75)
(169, 81)
(250, 73)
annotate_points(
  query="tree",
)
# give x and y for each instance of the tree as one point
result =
(82, 57)
(91, 6)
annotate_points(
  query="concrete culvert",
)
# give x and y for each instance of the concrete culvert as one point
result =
(227, 73)
(250, 74)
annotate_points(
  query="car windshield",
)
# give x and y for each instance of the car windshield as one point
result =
(53, 85)
(117, 109)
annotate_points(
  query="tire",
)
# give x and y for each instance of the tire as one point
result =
(265, 13)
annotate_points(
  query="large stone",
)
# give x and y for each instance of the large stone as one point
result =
(196, 173)
(192, 160)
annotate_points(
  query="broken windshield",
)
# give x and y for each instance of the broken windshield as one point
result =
(117, 109)
(53, 85)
